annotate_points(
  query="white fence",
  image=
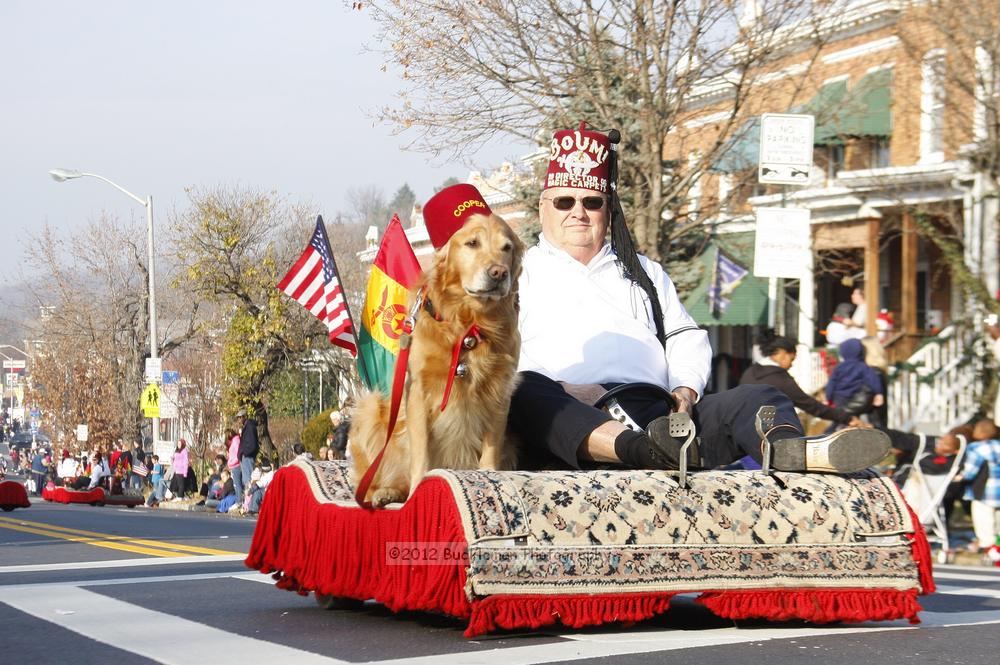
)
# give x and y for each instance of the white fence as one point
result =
(939, 385)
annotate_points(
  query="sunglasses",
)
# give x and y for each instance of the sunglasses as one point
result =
(568, 202)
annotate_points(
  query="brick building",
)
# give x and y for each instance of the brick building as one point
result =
(894, 125)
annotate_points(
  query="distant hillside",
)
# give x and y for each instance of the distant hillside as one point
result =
(18, 308)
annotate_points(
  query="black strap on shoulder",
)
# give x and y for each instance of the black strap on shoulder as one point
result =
(678, 332)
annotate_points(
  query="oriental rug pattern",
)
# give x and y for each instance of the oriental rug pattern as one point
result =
(560, 532)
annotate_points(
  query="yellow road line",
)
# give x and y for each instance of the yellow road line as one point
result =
(104, 537)
(90, 541)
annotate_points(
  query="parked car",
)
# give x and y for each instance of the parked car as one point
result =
(23, 440)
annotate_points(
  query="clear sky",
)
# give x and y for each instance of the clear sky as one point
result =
(160, 95)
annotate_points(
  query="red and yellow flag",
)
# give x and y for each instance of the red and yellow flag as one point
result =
(393, 274)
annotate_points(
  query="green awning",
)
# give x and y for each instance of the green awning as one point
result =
(742, 150)
(827, 106)
(748, 301)
(867, 111)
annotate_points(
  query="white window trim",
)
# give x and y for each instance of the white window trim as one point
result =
(986, 91)
(861, 50)
(931, 101)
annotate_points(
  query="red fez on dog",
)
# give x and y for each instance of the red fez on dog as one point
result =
(579, 158)
(447, 211)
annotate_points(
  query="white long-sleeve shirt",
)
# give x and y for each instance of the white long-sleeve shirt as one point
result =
(588, 324)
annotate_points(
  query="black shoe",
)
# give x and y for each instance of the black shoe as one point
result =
(665, 450)
(844, 451)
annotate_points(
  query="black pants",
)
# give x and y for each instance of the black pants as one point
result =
(552, 423)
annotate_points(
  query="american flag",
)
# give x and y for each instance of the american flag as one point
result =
(313, 283)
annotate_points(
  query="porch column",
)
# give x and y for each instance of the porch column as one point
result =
(908, 259)
(807, 306)
(871, 272)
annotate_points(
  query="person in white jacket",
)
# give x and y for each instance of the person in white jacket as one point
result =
(595, 315)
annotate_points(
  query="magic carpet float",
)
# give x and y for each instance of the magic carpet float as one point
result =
(507, 550)
(97, 496)
(13, 495)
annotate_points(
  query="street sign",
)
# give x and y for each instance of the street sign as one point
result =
(12, 378)
(783, 244)
(171, 377)
(164, 449)
(14, 364)
(786, 148)
(82, 432)
(154, 370)
(169, 397)
(150, 401)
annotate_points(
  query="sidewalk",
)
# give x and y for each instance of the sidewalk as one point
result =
(191, 506)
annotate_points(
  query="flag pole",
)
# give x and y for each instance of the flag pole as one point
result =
(362, 366)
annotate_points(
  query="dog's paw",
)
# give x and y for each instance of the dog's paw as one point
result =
(382, 497)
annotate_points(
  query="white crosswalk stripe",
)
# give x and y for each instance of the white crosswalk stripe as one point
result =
(72, 606)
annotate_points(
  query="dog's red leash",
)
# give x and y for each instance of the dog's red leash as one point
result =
(398, 379)
(467, 341)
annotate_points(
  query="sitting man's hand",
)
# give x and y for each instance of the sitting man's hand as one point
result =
(685, 399)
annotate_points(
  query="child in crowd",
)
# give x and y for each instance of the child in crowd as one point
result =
(157, 474)
(982, 475)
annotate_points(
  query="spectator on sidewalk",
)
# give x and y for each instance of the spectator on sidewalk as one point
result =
(983, 457)
(179, 465)
(249, 445)
(875, 357)
(778, 355)
(258, 488)
(233, 459)
(854, 387)
(39, 471)
(155, 471)
(301, 453)
(226, 494)
(341, 428)
(214, 481)
(138, 460)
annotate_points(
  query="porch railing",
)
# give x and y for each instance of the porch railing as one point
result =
(938, 386)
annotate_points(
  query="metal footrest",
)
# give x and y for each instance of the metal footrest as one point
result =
(764, 422)
(680, 426)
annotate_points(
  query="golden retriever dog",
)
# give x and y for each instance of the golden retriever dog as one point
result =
(472, 281)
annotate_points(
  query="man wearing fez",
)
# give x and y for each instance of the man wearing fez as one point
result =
(595, 315)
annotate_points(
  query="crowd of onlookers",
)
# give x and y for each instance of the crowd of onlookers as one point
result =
(236, 481)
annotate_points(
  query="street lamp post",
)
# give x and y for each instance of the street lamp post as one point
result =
(61, 175)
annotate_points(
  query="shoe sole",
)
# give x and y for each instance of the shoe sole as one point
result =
(843, 451)
(668, 448)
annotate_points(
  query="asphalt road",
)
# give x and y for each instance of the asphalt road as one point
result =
(82, 584)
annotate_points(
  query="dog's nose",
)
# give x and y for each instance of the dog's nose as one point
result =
(497, 272)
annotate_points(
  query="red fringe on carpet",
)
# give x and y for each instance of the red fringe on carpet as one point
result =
(13, 495)
(510, 612)
(342, 552)
(815, 605)
(921, 552)
(63, 495)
